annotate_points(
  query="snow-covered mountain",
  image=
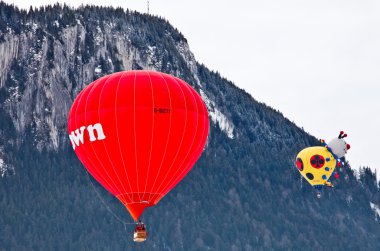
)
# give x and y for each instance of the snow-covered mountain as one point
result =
(243, 194)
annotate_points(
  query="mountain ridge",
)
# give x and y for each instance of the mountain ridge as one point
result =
(243, 194)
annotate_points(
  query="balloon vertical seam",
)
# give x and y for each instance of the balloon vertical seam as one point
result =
(134, 135)
(183, 133)
(88, 158)
(192, 143)
(104, 145)
(152, 137)
(167, 140)
(98, 160)
(118, 140)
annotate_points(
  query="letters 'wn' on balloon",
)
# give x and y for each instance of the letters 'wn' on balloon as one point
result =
(138, 133)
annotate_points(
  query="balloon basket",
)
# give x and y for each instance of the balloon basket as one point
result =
(139, 236)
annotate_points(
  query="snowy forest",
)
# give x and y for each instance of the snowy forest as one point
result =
(244, 193)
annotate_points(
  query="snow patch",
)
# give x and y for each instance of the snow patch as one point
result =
(188, 56)
(98, 69)
(56, 23)
(218, 117)
(2, 168)
(375, 208)
(349, 199)
(53, 133)
(151, 50)
(37, 57)
(34, 27)
(98, 38)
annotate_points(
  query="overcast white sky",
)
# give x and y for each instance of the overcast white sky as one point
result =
(318, 62)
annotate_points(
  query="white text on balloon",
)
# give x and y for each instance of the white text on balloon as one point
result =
(76, 137)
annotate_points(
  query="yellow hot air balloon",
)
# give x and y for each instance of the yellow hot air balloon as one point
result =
(316, 164)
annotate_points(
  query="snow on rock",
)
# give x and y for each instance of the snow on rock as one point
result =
(188, 56)
(2, 168)
(218, 117)
(349, 199)
(9, 50)
(375, 208)
(98, 69)
(98, 38)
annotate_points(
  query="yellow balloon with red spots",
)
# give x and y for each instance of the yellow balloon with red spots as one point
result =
(316, 164)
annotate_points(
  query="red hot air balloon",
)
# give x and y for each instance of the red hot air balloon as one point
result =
(138, 133)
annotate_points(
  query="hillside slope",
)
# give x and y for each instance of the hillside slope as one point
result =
(243, 194)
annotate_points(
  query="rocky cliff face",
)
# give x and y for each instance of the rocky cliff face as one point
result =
(47, 65)
(45, 72)
(243, 194)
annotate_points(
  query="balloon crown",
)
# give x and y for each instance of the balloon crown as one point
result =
(337, 146)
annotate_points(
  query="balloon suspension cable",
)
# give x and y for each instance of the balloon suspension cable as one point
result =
(106, 206)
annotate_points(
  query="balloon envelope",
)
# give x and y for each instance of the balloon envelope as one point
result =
(138, 133)
(316, 164)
